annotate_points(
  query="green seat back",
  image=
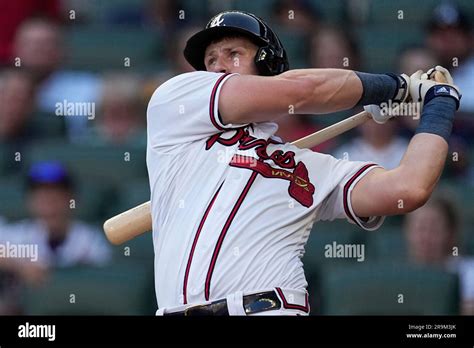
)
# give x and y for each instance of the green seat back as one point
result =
(389, 289)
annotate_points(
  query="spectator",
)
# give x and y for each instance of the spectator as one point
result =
(377, 143)
(13, 13)
(40, 48)
(165, 15)
(414, 58)
(449, 36)
(431, 234)
(179, 64)
(16, 93)
(60, 240)
(333, 48)
(122, 112)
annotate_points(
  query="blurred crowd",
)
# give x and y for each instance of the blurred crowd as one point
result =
(56, 88)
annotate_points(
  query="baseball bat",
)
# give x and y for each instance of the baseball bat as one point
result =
(136, 221)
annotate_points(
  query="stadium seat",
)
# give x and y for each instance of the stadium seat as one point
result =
(261, 8)
(48, 125)
(104, 164)
(93, 200)
(134, 193)
(332, 11)
(139, 250)
(295, 44)
(315, 260)
(113, 290)
(12, 204)
(462, 194)
(324, 234)
(386, 244)
(98, 48)
(386, 12)
(381, 44)
(375, 289)
(468, 240)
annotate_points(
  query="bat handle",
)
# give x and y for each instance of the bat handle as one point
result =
(439, 77)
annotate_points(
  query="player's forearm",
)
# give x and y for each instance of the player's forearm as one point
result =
(246, 98)
(422, 164)
(425, 157)
(327, 90)
(332, 90)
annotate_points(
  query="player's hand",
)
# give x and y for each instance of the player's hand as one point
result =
(447, 75)
(423, 88)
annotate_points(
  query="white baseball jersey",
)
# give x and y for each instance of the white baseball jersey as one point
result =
(232, 207)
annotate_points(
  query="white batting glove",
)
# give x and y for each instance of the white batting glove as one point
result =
(377, 115)
(403, 88)
(421, 87)
(445, 72)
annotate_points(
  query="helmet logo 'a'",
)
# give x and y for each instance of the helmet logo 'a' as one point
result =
(217, 21)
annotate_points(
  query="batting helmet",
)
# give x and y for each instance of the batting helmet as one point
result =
(271, 58)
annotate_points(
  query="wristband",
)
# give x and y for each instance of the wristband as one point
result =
(442, 90)
(437, 117)
(379, 88)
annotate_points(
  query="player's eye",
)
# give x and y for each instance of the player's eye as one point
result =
(211, 61)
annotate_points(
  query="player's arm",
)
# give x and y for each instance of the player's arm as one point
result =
(407, 187)
(248, 98)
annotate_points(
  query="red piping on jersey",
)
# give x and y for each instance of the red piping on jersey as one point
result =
(224, 232)
(211, 103)
(287, 305)
(196, 237)
(346, 190)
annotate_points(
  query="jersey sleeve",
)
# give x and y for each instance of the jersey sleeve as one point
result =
(337, 204)
(185, 109)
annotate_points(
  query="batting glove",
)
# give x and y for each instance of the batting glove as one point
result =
(422, 89)
(403, 82)
(385, 111)
(377, 114)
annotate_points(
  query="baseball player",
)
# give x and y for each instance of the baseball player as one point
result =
(232, 206)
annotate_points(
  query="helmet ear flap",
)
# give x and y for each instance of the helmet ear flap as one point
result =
(269, 62)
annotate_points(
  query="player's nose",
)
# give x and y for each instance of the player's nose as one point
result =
(220, 66)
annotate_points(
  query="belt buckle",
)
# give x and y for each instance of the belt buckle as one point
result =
(197, 310)
(262, 302)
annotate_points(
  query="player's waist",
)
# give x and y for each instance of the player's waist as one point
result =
(240, 303)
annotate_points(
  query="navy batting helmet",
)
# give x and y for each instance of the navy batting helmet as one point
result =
(271, 58)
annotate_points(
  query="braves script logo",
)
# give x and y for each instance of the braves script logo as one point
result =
(217, 21)
(300, 187)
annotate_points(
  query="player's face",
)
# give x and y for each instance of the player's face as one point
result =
(231, 55)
